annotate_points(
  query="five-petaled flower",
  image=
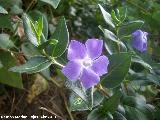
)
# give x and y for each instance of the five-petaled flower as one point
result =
(139, 40)
(85, 63)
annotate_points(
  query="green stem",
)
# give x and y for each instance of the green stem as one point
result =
(30, 5)
(102, 90)
(53, 60)
(118, 44)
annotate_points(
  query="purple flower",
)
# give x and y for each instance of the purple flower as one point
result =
(139, 41)
(85, 63)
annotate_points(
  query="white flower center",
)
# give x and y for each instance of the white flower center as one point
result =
(87, 62)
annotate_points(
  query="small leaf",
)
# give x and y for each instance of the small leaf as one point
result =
(108, 34)
(35, 15)
(53, 3)
(40, 27)
(107, 17)
(61, 34)
(118, 68)
(5, 42)
(33, 65)
(8, 77)
(2, 10)
(28, 30)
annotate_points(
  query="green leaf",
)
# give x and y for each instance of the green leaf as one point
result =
(134, 114)
(8, 77)
(139, 102)
(118, 116)
(61, 34)
(5, 22)
(5, 42)
(137, 59)
(112, 103)
(107, 17)
(40, 26)
(29, 50)
(118, 68)
(28, 30)
(77, 88)
(78, 104)
(111, 36)
(53, 3)
(2, 10)
(52, 42)
(33, 65)
(96, 115)
(35, 15)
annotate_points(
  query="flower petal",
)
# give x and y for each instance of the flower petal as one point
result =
(100, 65)
(76, 50)
(139, 41)
(89, 78)
(72, 70)
(94, 48)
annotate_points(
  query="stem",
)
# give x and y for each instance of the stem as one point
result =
(57, 84)
(66, 105)
(126, 36)
(136, 5)
(102, 90)
(30, 5)
(118, 44)
(53, 60)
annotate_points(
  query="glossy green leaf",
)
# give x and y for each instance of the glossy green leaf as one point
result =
(33, 65)
(139, 102)
(134, 114)
(29, 50)
(2, 10)
(118, 116)
(53, 3)
(112, 103)
(111, 36)
(61, 34)
(96, 115)
(78, 104)
(28, 30)
(35, 15)
(118, 68)
(40, 26)
(5, 41)
(137, 59)
(107, 17)
(8, 77)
